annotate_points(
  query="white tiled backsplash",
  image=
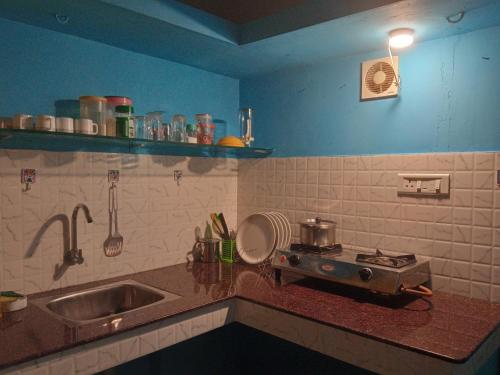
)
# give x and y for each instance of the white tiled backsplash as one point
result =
(157, 217)
(461, 234)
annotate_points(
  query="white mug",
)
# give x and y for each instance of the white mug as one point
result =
(46, 123)
(86, 126)
(22, 121)
(64, 124)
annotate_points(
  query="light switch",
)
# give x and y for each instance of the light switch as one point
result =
(437, 185)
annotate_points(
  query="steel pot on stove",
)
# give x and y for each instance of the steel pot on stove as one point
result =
(317, 232)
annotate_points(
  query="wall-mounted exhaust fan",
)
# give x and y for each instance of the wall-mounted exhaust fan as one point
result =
(379, 78)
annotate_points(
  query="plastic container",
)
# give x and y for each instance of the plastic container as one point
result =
(228, 253)
(114, 101)
(124, 117)
(205, 129)
(178, 129)
(111, 104)
(94, 108)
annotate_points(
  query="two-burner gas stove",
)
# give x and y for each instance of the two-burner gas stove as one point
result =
(374, 271)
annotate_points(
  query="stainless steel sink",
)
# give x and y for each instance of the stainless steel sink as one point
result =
(103, 302)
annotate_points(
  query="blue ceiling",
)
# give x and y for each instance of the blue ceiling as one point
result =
(314, 31)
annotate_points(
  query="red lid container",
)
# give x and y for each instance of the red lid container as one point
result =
(115, 101)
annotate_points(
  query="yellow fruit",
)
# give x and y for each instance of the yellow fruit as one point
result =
(231, 141)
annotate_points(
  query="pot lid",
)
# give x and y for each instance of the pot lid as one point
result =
(318, 223)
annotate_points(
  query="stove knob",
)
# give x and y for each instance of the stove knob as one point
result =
(294, 259)
(365, 274)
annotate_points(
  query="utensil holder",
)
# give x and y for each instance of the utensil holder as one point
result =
(228, 253)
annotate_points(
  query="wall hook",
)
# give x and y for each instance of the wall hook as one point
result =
(28, 177)
(62, 19)
(113, 176)
(178, 176)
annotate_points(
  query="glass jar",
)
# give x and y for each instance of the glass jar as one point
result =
(94, 108)
(124, 117)
(154, 127)
(245, 117)
(205, 129)
(177, 129)
(140, 131)
(111, 104)
(191, 133)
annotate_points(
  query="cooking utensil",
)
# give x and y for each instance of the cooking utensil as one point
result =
(216, 222)
(317, 232)
(224, 225)
(219, 223)
(208, 231)
(216, 230)
(114, 243)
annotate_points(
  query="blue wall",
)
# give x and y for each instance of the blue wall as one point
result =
(449, 102)
(39, 66)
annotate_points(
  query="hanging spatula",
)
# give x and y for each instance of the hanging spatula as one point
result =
(114, 243)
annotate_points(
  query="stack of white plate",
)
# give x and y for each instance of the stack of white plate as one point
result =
(260, 234)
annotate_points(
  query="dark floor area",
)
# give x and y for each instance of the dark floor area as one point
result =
(235, 349)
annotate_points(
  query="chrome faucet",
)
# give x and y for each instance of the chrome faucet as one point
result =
(74, 254)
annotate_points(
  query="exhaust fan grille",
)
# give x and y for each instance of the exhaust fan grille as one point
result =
(378, 79)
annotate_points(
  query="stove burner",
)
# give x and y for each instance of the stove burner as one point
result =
(335, 249)
(386, 260)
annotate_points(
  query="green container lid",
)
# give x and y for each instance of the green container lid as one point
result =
(124, 109)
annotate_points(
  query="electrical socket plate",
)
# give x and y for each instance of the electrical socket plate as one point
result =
(429, 185)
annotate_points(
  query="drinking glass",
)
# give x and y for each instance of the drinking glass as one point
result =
(178, 129)
(154, 126)
(140, 127)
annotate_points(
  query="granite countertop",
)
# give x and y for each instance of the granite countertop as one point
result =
(445, 326)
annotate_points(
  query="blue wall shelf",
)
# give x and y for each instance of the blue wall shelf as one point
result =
(52, 141)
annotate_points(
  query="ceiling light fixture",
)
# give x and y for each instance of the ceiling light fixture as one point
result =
(401, 38)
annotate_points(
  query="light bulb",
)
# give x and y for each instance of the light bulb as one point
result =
(401, 38)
